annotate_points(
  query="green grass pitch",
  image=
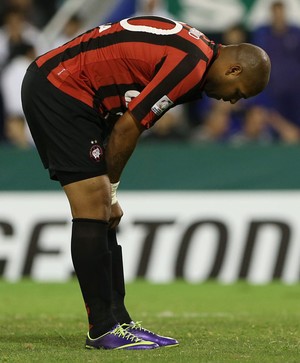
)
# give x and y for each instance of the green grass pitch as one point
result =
(42, 322)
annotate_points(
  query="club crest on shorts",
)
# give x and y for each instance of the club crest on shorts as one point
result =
(96, 152)
(162, 105)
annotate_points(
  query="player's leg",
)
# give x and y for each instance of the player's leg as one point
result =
(118, 303)
(90, 201)
(118, 282)
(90, 206)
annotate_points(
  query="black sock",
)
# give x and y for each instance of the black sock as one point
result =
(92, 264)
(118, 284)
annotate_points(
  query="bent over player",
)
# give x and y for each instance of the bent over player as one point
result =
(87, 102)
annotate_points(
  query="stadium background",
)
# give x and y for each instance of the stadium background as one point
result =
(192, 210)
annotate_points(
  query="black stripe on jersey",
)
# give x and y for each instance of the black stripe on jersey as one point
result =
(119, 89)
(114, 90)
(195, 92)
(182, 70)
(86, 32)
(123, 36)
(159, 65)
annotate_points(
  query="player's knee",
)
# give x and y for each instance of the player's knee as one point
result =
(90, 198)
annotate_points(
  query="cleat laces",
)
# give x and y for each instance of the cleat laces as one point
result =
(138, 326)
(119, 331)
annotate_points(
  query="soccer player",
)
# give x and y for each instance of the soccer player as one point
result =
(87, 102)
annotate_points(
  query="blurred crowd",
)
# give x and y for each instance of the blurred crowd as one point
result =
(21, 41)
(271, 117)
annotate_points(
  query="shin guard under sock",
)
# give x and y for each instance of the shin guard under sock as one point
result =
(118, 284)
(92, 264)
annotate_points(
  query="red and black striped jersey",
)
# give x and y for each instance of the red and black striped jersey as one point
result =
(144, 64)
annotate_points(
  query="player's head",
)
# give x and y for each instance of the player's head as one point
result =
(240, 71)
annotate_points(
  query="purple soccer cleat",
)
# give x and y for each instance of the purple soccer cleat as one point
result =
(119, 338)
(145, 334)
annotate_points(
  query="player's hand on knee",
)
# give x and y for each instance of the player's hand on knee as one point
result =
(115, 215)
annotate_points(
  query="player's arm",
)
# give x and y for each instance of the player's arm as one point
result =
(121, 144)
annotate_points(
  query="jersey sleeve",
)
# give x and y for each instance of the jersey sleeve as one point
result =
(176, 78)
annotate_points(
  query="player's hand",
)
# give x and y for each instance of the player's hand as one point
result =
(115, 215)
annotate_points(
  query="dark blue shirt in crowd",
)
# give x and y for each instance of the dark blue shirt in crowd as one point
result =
(283, 91)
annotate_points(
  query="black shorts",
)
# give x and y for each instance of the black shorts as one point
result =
(69, 135)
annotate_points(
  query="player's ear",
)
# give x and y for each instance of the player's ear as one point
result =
(234, 70)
